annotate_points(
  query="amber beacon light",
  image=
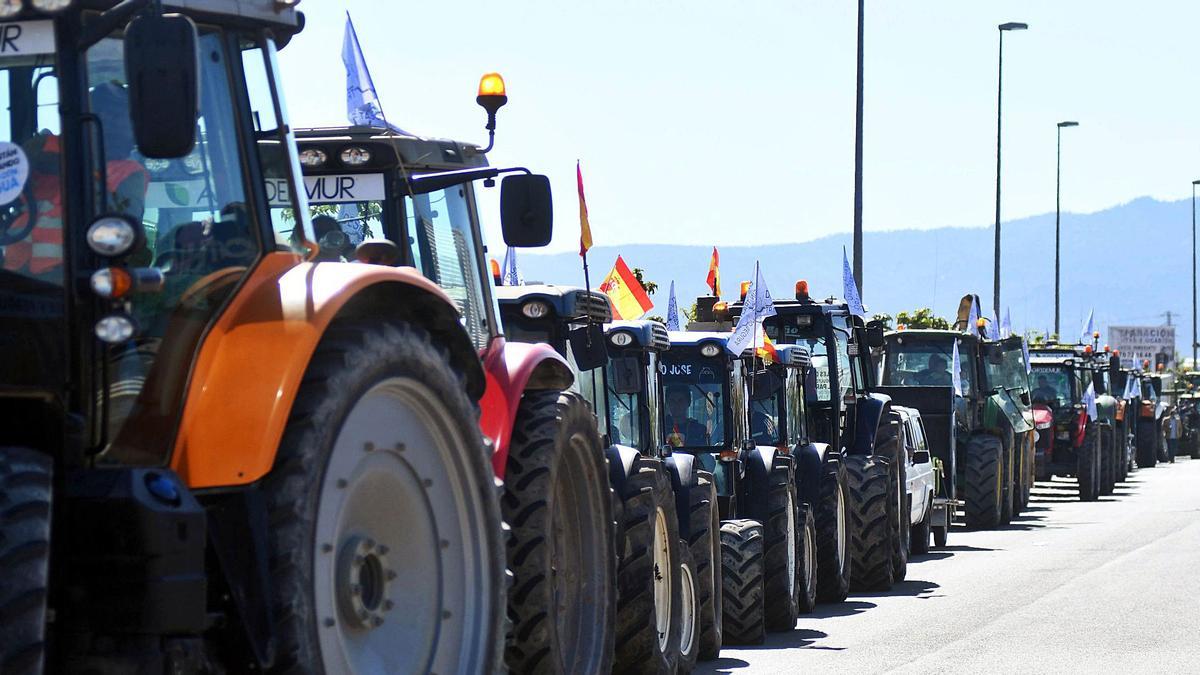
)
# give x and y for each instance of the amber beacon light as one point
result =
(492, 96)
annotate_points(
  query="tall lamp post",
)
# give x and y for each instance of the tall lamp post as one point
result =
(1195, 343)
(1004, 28)
(1058, 220)
(858, 161)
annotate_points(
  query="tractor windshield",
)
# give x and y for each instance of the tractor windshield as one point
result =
(1052, 385)
(912, 362)
(696, 391)
(345, 210)
(31, 216)
(766, 418)
(1005, 368)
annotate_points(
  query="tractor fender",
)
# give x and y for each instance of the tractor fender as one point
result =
(682, 468)
(621, 462)
(870, 412)
(511, 369)
(249, 365)
(810, 467)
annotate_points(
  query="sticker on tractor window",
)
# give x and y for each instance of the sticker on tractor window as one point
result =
(24, 38)
(14, 172)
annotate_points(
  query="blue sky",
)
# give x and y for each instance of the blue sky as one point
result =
(733, 123)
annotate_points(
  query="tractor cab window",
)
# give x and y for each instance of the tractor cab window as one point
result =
(1052, 385)
(443, 245)
(766, 418)
(1005, 368)
(696, 393)
(624, 377)
(926, 363)
(31, 200)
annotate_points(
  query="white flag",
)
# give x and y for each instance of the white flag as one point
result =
(973, 320)
(1089, 327)
(1006, 325)
(956, 370)
(850, 288)
(756, 307)
(1089, 399)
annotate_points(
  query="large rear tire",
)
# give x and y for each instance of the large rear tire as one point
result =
(1008, 481)
(781, 547)
(386, 545)
(870, 484)
(648, 625)
(983, 487)
(1108, 459)
(833, 545)
(1088, 471)
(806, 567)
(26, 495)
(561, 552)
(705, 546)
(742, 581)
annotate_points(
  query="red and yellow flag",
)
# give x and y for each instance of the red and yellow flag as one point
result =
(629, 299)
(767, 351)
(585, 229)
(714, 273)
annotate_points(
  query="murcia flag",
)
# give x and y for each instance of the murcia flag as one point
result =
(585, 228)
(714, 274)
(629, 299)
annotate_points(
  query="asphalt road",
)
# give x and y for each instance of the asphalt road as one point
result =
(1069, 587)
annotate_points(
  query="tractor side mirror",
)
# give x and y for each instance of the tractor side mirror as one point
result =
(874, 335)
(162, 63)
(1025, 397)
(588, 347)
(921, 457)
(526, 210)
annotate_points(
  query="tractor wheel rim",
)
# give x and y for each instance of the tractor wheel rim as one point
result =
(687, 610)
(841, 529)
(662, 579)
(791, 545)
(401, 581)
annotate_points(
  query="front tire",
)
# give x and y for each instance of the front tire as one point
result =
(557, 501)
(705, 546)
(920, 533)
(1088, 471)
(386, 541)
(780, 546)
(26, 496)
(742, 581)
(871, 490)
(689, 616)
(648, 580)
(833, 545)
(982, 489)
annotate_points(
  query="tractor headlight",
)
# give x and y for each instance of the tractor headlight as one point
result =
(115, 328)
(112, 236)
(313, 158)
(535, 309)
(355, 156)
(710, 350)
(621, 339)
(51, 5)
(9, 8)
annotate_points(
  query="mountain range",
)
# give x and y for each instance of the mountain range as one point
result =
(1129, 263)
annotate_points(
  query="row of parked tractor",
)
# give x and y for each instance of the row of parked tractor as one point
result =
(268, 410)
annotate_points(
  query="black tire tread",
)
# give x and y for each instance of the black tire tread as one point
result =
(980, 488)
(705, 547)
(26, 492)
(781, 607)
(833, 580)
(742, 581)
(870, 526)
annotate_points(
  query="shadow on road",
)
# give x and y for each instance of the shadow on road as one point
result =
(847, 608)
(801, 638)
(910, 588)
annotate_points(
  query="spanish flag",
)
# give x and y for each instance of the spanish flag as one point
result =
(585, 229)
(714, 273)
(767, 351)
(629, 299)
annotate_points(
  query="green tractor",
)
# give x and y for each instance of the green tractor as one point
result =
(981, 426)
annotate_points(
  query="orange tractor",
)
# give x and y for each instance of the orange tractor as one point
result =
(221, 449)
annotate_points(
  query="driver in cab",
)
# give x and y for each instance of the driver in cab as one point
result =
(936, 373)
(681, 429)
(1044, 392)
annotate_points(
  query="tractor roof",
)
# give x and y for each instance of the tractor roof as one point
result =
(417, 153)
(282, 14)
(647, 335)
(695, 338)
(568, 302)
(932, 334)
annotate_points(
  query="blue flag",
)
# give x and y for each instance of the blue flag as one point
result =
(362, 103)
(1025, 352)
(1006, 324)
(510, 275)
(757, 306)
(850, 288)
(1089, 327)
(672, 311)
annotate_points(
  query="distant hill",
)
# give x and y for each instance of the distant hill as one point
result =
(1130, 262)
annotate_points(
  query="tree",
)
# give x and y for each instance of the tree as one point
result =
(922, 318)
(650, 286)
(884, 320)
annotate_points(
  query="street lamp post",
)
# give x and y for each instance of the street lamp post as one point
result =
(858, 161)
(1058, 220)
(1195, 343)
(1004, 27)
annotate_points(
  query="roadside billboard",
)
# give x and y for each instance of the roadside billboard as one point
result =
(1140, 343)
